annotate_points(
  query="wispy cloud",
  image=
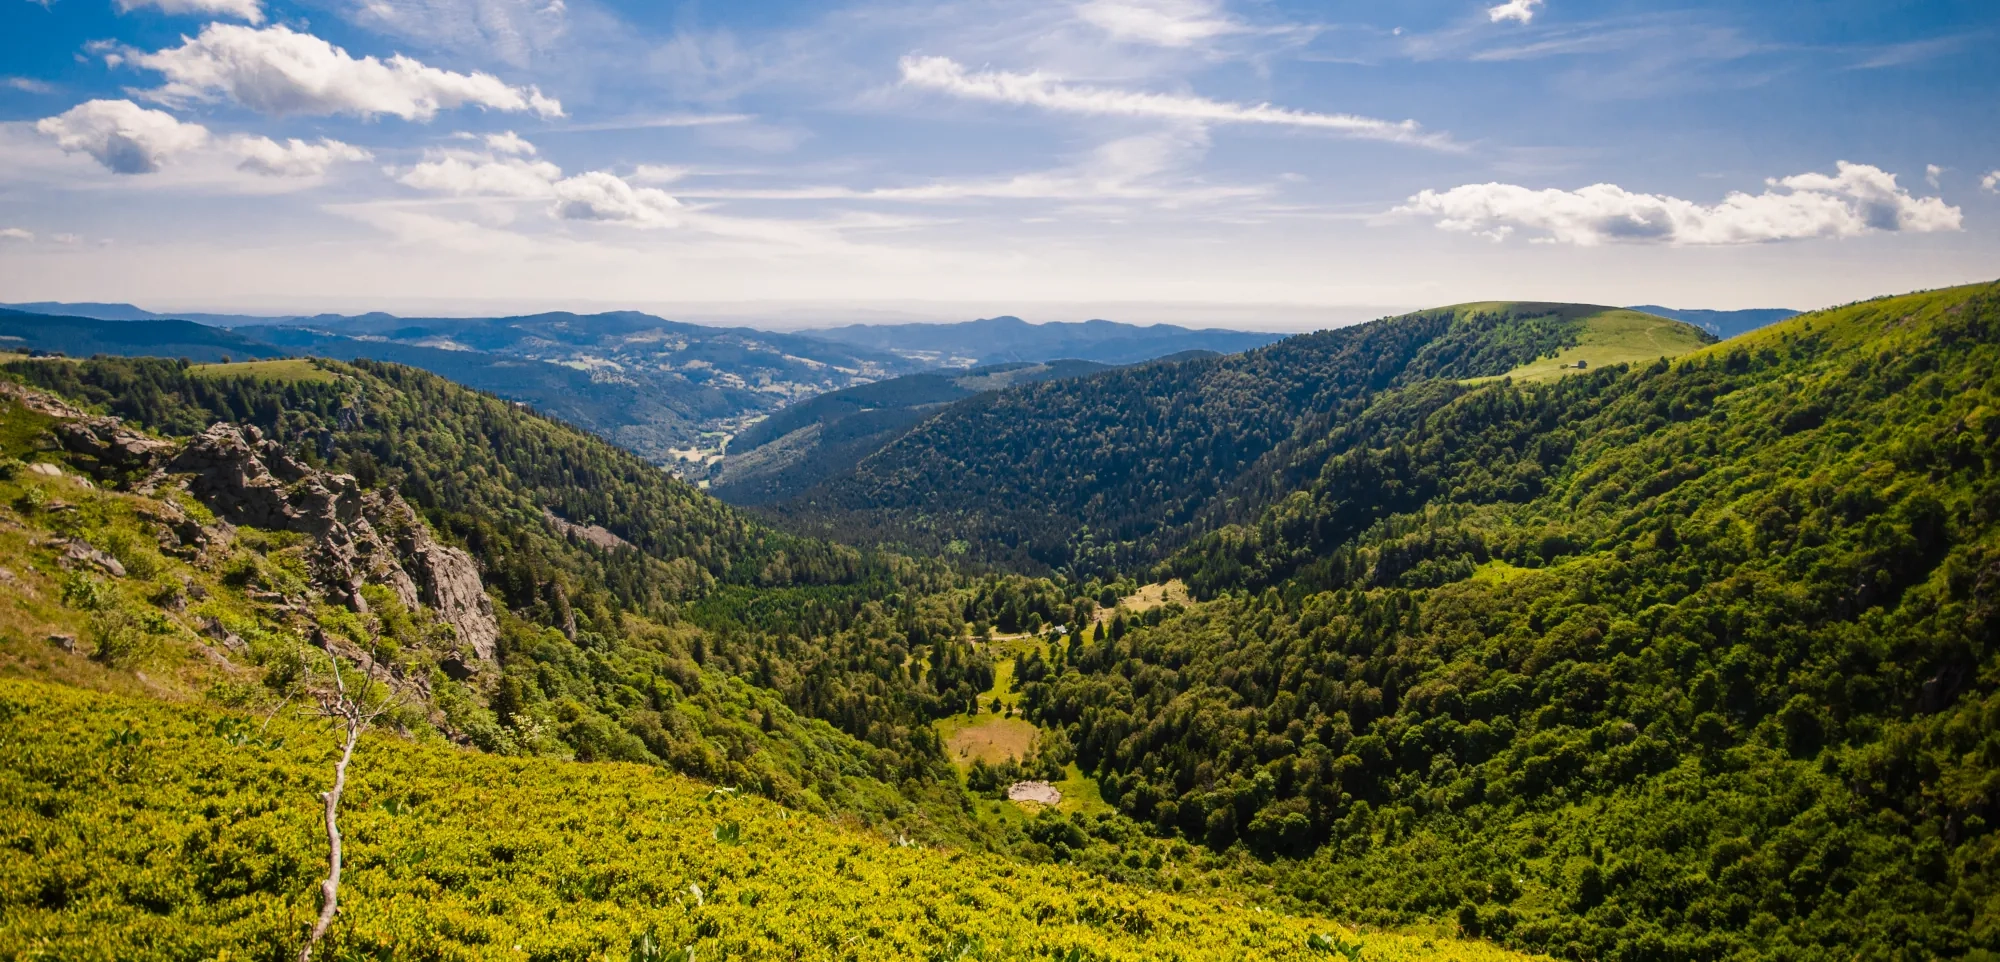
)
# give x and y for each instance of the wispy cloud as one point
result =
(1916, 51)
(654, 121)
(1858, 199)
(1165, 23)
(1051, 93)
(30, 85)
(251, 10)
(513, 32)
(1146, 168)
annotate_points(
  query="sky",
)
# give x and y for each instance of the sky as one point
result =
(1246, 163)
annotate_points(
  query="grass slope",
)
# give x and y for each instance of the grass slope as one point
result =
(141, 830)
(1616, 337)
(291, 371)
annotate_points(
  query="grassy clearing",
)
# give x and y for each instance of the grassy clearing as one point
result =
(1616, 337)
(1149, 597)
(990, 738)
(1498, 572)
(292, 371)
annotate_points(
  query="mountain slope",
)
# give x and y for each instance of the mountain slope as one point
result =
(629, 609)
(1694, 660)
(1086, 475)
(804, 444)
(1000, 340)
(145, 831)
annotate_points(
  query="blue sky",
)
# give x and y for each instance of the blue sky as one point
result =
(1263, 164)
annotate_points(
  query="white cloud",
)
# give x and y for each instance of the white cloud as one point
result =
(125, 137)
(1520, 11)
(1166, 23)
(294, 157)
(30, 85)
(129, 139)
(509, 142)
(1991, 181)
(1931, 174)
(277, 71)
(66, 238)
(16, 234)
(592, 195)
(251, 10)
(1859, 199)
(466, 176)
(596, 195)
(659, 173)
(1050, 93)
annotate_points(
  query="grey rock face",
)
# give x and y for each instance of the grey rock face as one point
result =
(113, 449)
(361, 537)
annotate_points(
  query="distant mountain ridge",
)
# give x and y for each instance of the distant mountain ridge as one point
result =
(1723, 324)
(998, 340)
(673, 392)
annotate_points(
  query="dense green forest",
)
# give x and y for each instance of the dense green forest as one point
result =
(806, 443)
(1092, 476)
(1689, 662)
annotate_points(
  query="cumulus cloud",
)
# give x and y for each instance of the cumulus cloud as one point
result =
(1931, 174)
(16, 234)
(123, 136)
(597, 195)
(1991, 181)
(1857, 199)
(1519, 11)
(593, 195)
(129, 139)
(1166, 23)
(251, 10)
(1050, 93)
(277, 71)
(294, 157)
(509, 142)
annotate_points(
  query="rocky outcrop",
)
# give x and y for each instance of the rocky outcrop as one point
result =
(360, 537)
(105, 446)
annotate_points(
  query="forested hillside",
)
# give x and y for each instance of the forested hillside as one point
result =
(638, 619)
(1094, 475)
(1689, 661)
(806, 443)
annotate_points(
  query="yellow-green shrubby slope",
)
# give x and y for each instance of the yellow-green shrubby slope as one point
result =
(135, 829)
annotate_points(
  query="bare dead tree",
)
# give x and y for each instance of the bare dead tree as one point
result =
(351, 713)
